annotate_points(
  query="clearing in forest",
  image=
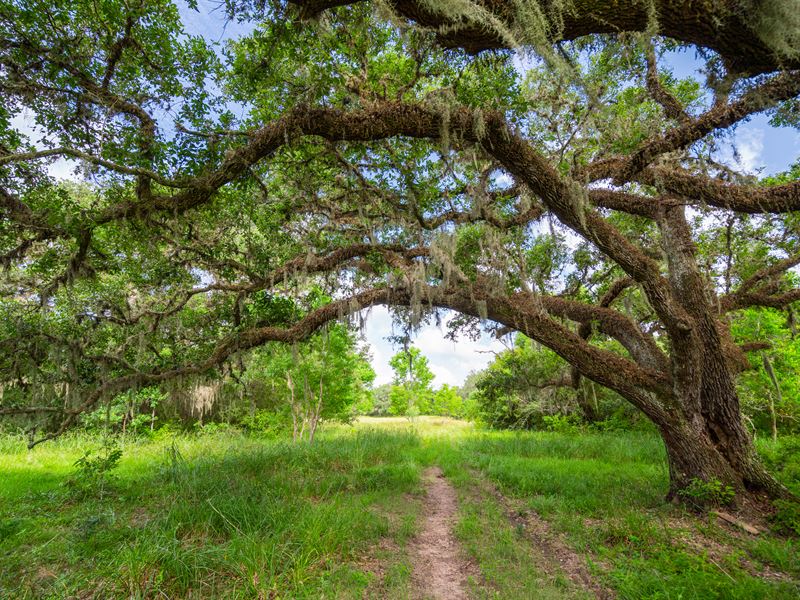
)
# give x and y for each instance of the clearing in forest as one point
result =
(402, 509)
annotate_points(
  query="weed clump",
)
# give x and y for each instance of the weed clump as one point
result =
(708, 493)
(786, 519)
(92, 477)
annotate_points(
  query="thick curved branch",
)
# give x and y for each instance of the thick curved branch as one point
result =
(761, 288)
(95, 160)
(770, 272)
(672, 107)
(306, 264)
(725, 26)
(389, 119)
(699, 189)
(572, 205)
(611, 370)
(641, 346)
(748, 299)
(607, 368)
(236, 342)
(622, 170)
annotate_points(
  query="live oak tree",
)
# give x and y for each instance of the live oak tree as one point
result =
(534, 166)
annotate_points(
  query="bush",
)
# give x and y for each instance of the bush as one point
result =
(132, 411)
(93, 471)
(165, 431)
(214, 428)
(704, 493)
(266, 423)
(783, 458)
(562, 423)
(787, 517)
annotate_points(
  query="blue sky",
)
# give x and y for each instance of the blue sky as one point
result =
(761, 148)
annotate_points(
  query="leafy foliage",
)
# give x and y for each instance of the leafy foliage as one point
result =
(234, 196)
(411, 391)
(93, 475)
(710, 492)
(787, 516)
(530, 387)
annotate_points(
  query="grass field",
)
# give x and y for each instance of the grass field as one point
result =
(540, 515)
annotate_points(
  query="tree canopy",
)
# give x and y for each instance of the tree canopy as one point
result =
(534, 166)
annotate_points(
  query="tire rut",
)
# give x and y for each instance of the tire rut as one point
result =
(556, 553)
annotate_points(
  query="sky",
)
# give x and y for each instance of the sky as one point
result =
(449, 361)
(761, 149)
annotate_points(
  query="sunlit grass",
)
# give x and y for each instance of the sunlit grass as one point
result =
(214, 517)
(232, 516)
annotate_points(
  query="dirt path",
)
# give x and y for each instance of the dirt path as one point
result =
(440, 571)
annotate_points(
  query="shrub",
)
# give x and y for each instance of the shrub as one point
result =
(214, 428)
(93, 471)
(712, 492)
(561, 423)
(783, 458)
(787, 517)
(266, 423)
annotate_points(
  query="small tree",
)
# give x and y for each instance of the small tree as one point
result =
(412, 383)
(447, 401)
(381, 400)
(318, 380)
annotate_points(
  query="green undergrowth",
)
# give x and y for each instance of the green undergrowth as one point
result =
(206, 517)
(229, 516)
(605, 494)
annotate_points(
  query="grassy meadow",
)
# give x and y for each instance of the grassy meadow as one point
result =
(223, 515)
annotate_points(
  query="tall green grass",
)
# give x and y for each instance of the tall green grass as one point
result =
(205, 517)
(605, 493)
(229, 516)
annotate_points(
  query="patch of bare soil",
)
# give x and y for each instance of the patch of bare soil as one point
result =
(556, 553)
(440, 571)
(373, 563)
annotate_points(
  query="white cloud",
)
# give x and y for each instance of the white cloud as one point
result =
(751, 147)
(449, 361)
(748, 141)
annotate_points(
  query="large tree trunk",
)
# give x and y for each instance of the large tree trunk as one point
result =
(691, 455)
(704, 434)
(709, 448)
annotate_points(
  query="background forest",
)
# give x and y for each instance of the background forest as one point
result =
(290, 390)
